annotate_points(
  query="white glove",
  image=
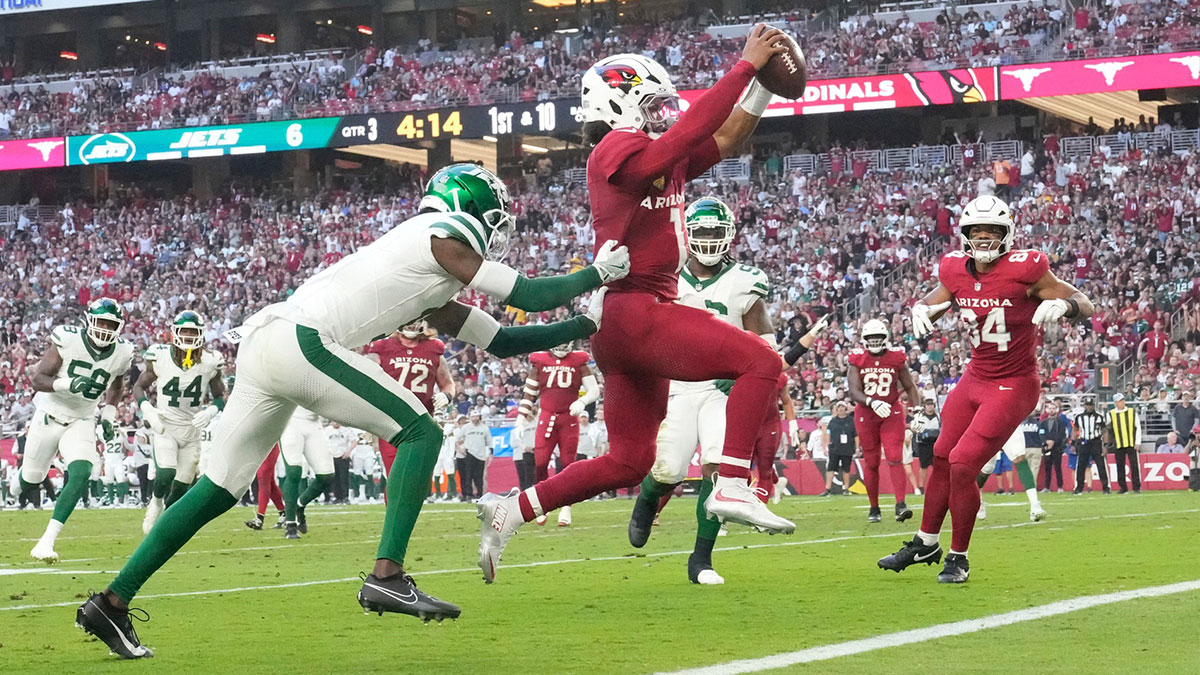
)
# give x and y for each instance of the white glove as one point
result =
(204, 417)
(150, 414)
(1050, 311)
(612, 261)
(881, 408)
(596, 306)
(820, 326)
(794, 432)
(576, 408)
(440, 403)
(917, 426)
(922, 326)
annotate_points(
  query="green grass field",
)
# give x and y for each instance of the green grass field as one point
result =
(581, 600)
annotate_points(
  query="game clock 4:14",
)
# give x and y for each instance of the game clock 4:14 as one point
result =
(429, 125)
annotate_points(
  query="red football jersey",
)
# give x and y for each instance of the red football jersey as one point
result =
(559, 380)
(998, 310)
(414, 367)
(880, 373)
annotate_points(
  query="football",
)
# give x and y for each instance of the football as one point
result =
(785, 75)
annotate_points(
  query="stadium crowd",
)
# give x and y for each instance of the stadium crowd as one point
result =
(533, 64)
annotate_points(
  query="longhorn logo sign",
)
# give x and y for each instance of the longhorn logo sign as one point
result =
(1027, 75)
(1109, 69)
(45, 147)
(1192, 63)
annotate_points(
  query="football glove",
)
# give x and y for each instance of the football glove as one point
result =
(1050, 311)
(596, 306)
(108, 430)
(612, 261)
(577, 408)
(205, 417)
(820, 326)
(723, 386)
(81, 384)
(922, 325)
(440, 403)
(152, 416)
(794, 432)
(881, 408)
(917, 426)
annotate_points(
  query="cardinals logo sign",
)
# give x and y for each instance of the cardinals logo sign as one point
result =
(964, 85)
(620, 77)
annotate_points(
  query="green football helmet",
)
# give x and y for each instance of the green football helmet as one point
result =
(710, 229)
(187, 330)
(472, 189)
(105, 318)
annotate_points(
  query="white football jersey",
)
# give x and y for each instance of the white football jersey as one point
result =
(393, 281)
(79, 357)
(181, 392)
(306, 415)
(728, 295)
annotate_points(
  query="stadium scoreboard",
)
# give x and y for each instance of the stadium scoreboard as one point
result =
(534, 117)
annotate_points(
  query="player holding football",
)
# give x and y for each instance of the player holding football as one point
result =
(78, 367)
(413, 358)
(636, 177)
(1004, 297)
(878, 372)
(304, 352)
(555, 379)
(178, 374)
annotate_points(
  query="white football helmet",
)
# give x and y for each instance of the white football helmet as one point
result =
(630, 90)
(986, 210)
(187, 330)
(413, 330)
(710, 229)
(561, 350)
(875, 336)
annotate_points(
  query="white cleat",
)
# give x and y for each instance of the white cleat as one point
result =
(733, 500)
(44, 552)
(709, 578)
(153, 510)
(500, 516)
(564, 517)
(982, 513)
(724, 531)
(541, 520)
(1037, 514)
(780, 486)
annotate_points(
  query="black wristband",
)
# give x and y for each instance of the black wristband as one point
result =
(793, 354)
(1074, 308)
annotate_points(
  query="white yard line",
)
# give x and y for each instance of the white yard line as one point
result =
(918, 635)
(569, 561)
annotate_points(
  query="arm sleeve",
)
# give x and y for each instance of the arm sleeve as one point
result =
(591, 389)
(691, 135)
(542, 293)
(514, 340)
(793, 354)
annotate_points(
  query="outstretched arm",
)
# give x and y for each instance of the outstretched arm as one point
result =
(480, 329)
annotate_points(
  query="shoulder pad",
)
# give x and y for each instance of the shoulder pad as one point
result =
(463, 228)
(59, 335)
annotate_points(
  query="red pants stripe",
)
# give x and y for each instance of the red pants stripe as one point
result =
(643, 345)
(559, 430)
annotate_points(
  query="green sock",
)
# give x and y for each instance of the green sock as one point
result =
(706, 528)
(170, 533)
(417, 448)
(1026, 476)
(177, 490)
(77, 482)
(291, 491)
(353, 485)
(981, 479)
(162, 483)
(653, 490)
(122, 491)
(315, 487)
(451, 488)
(28, 488)
(110, 491)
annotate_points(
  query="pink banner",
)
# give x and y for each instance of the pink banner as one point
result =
(938, 87)
(1091, 76)
(36, 153)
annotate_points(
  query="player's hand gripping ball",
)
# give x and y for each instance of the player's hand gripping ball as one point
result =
(786, 74)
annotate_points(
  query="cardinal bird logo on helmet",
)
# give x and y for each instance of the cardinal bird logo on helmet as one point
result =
(620, 77)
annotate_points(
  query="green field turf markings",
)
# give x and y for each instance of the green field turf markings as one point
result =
(954, 628)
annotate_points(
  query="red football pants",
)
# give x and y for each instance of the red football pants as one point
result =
(643, 344)
(561, 430)
(873, 432)
(978, 417)
(268, 489)
(765, 449)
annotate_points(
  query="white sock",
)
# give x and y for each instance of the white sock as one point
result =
(926, 538)
(52, 530)
(1033, 498)
(962, 553)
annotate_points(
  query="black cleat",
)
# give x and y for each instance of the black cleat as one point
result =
(956, 570)
(874, 515)
(903, 513)
(254, 523)
(292, 531)
(302, 522)
(399, 593)
(641, 520)
(98, 617)
(912, 553)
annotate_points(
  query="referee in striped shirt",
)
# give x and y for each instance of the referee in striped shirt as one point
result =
(1126, 437)
(1089, 425)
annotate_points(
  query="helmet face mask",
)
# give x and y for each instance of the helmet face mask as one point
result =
(561, 350)
(875, 336)
(710, 230)
(990, 211)
(413, 330)
(187, 330)
(104, 321)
